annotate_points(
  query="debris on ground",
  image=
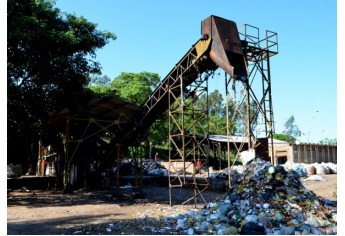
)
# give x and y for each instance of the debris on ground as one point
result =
(314, 178)
(14, 170)
(151, 167)
(263, 199)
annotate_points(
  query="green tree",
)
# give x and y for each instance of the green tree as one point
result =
(282, 137)
(218, 125)
(50, 56)
(216, 105)
(99, 80)
(134, 87)
(158, 132)
(291, 130)
(100, 86)
(217, 113)
(329, 141)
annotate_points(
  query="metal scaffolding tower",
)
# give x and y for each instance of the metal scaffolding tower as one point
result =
(249, 101)
(188, 139)
(248, 107)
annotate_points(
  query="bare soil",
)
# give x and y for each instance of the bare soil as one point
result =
(325, 189)
(51, 212)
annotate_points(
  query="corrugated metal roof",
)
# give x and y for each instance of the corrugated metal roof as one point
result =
(232, 139)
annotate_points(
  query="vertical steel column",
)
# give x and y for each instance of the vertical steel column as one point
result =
(118, 164)
(177, 155)
(270, 122)
(185, 145)
(228, 129)
(257, 53)
(248, 120)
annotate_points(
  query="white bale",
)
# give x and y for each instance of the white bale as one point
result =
(327, 169)
(333, 168)
(247, 156)
(320, 169)
(311, 169)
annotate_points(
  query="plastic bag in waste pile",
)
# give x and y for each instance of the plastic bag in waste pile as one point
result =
(14, 170)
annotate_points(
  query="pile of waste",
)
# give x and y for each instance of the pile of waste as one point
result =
(14, 170)
(264, 199)
(150, 167)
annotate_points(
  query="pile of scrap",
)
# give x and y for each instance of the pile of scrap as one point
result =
(264, 199)
(150, 167)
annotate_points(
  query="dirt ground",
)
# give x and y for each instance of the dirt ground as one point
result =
(327, 189)
(51, 212)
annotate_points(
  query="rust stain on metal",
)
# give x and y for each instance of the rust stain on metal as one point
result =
(226, 50)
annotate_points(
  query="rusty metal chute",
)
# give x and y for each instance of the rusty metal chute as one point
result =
(226, 48)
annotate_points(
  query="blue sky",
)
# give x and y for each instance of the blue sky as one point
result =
(154, 35)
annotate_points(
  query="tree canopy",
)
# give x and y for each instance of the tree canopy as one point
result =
(329, 141)
(217, 112)
(131, 87)
(50, 56)
(291, 131)
(134, 88)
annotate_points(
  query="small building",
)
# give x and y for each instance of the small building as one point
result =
(283, 151)
(302, 152)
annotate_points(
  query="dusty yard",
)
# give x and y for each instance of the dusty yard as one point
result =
(51, 212)
(326, 189)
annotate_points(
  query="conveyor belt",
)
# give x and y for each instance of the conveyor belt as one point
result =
(219, 46)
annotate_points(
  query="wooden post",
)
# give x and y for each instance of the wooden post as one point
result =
(118, 162)
(67, 173)
(328, 154)
(299, 153)
(305, 154)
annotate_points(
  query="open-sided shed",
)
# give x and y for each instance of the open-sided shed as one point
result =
(80, 132)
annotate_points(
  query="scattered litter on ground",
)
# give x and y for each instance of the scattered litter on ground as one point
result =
(128, 186)
(314, 178)
(263, 199)
(14, 170)
(159, 172)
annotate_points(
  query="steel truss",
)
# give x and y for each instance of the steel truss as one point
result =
(79, 128)
(188, 138)
(80, 137)
(249, 102)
